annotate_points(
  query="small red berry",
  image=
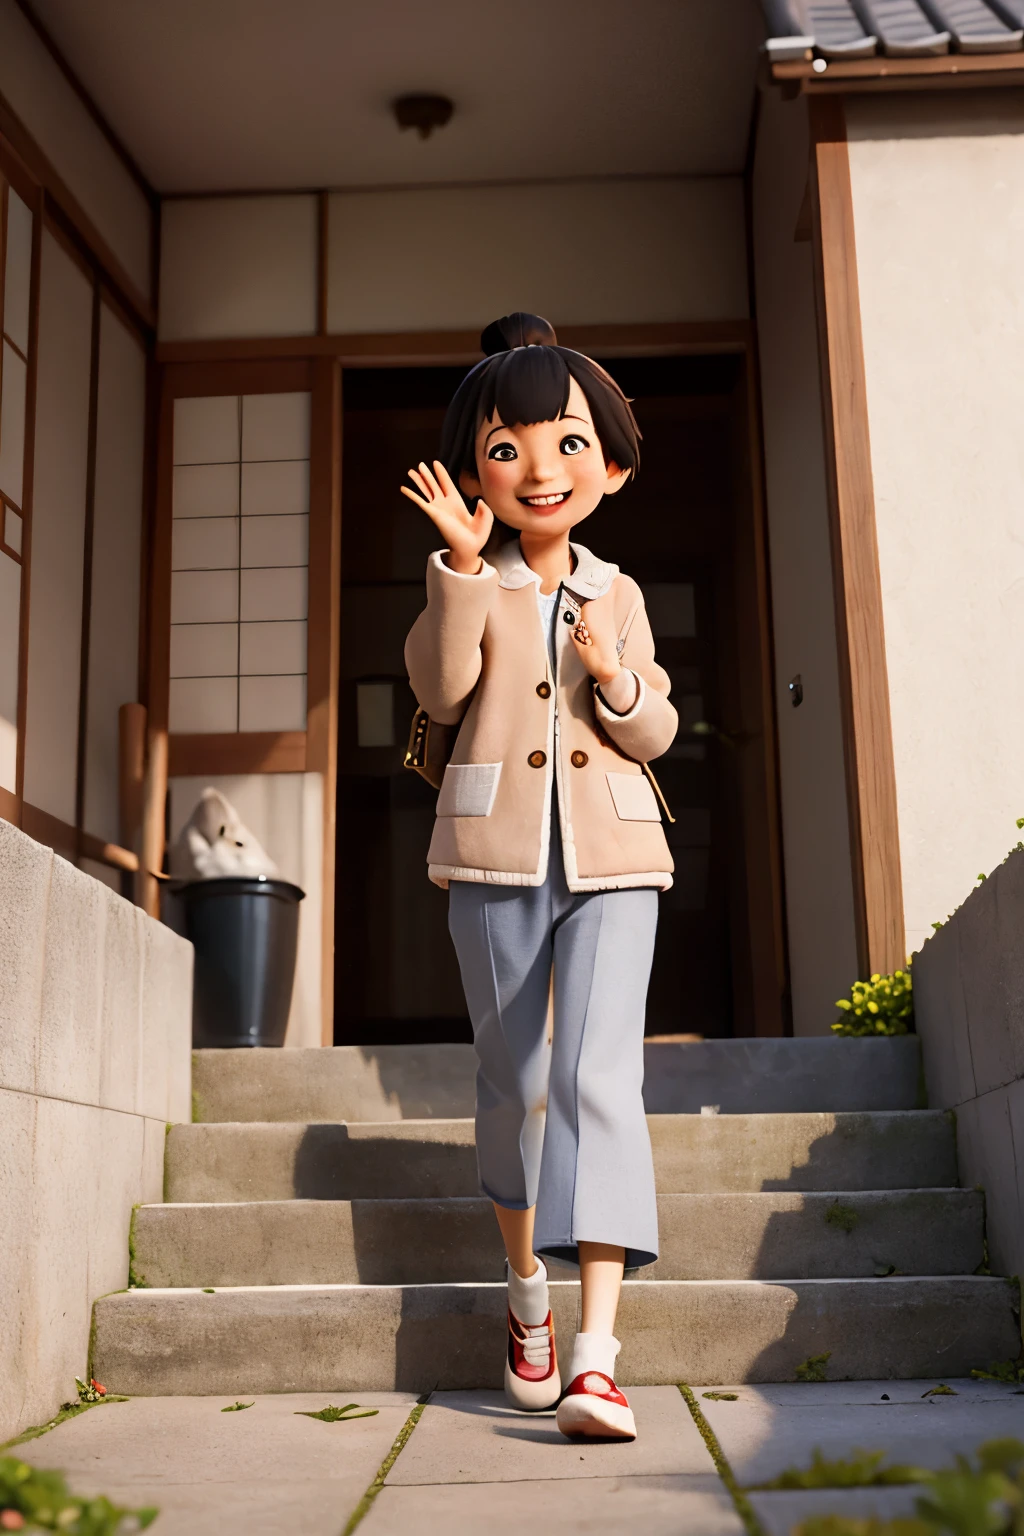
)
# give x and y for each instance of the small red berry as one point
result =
(94, 1383)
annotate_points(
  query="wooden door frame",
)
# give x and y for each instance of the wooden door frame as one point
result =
(860, 632)
(239, 366)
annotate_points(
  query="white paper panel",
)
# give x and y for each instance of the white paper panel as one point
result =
(269, 648)
(238, 266)
(12, 425)
(272, 704)
(205, 490)
(275, 426)
(10, 617)
(275, 541)
(206, 430)
(275, 489)
(58, 532)
(204, 650)
(116, 564)
(274, 594)
(203, 704)
(204, 597)
(18, 270)
(204, 544)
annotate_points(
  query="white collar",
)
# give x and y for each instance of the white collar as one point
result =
(591, 578)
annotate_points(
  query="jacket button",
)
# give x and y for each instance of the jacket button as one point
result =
(544, 690)
(537, 759)
(579, 759)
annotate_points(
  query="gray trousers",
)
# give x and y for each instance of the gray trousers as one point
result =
(561, 1125)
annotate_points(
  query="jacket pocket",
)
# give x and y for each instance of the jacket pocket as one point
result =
(633, 797)
(468, 789)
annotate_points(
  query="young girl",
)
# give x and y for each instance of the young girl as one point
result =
(548, 837)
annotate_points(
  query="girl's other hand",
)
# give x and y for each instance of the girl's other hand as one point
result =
(596, 639)
(465, 534)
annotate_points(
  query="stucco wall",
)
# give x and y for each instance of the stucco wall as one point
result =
(95, 1052)
(938, 192)
(816, 840)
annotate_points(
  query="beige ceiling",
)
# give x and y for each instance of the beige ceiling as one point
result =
(235, 94)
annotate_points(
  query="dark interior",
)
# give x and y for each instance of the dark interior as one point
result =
(677, 530)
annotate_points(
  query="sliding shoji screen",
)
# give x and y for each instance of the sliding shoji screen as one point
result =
(239, 563)
(15, 304)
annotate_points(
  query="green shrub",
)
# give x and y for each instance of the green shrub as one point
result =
(882, 1006)
(34, 1500)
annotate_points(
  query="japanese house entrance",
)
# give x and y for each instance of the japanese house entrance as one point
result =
(689, 531)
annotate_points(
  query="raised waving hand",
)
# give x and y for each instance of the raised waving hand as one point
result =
(464, 533)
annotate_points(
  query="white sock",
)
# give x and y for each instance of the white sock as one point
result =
(528, 1298)
(594, 1352)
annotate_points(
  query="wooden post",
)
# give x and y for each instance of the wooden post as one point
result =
(131, 774)
(867, 723)
(153, 812)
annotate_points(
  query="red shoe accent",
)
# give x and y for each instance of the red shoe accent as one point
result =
(595, 1409)
(527, 1385)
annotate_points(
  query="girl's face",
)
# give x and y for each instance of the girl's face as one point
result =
(545, 478)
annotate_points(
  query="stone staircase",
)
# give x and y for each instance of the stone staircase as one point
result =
(323, 1228)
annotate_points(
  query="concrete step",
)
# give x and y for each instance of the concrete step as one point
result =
(437, 1242)
(693, 1154)
(338, 1338)
(406, 1082)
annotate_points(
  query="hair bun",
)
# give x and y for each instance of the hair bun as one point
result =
(517, 330)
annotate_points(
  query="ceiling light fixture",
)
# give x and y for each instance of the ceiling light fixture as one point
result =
(424, 113)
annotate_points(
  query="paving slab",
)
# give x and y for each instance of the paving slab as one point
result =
(693, 1154)
(266, 1469)
(779, 1513)
(762, 1438)
(475, 1437)
(602, 1506)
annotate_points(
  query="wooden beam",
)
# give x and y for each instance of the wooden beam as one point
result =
(871, 775)
(29, 482)
(190, 756)
(881, 73)
(381, 349)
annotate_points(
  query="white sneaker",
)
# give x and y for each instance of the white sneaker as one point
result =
(593, 1408)
(532, 1381)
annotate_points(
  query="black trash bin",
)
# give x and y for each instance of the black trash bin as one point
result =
(245, 931)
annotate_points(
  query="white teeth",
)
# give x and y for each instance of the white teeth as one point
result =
(546, 501)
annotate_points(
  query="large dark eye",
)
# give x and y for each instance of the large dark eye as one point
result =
(573, 444)
(503, 452)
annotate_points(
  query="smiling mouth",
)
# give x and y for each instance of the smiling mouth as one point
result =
(541, 502)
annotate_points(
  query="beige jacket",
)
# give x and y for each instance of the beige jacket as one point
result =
(479, 648)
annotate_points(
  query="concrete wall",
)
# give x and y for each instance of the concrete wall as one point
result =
(969, 1002)
(95, 1037)
(285, 811)
(938, 192)
(671, 249)
(62, 127)
(816, 840)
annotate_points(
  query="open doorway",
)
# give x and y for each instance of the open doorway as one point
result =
(688, 531)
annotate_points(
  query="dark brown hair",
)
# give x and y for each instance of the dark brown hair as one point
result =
(525, 378)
